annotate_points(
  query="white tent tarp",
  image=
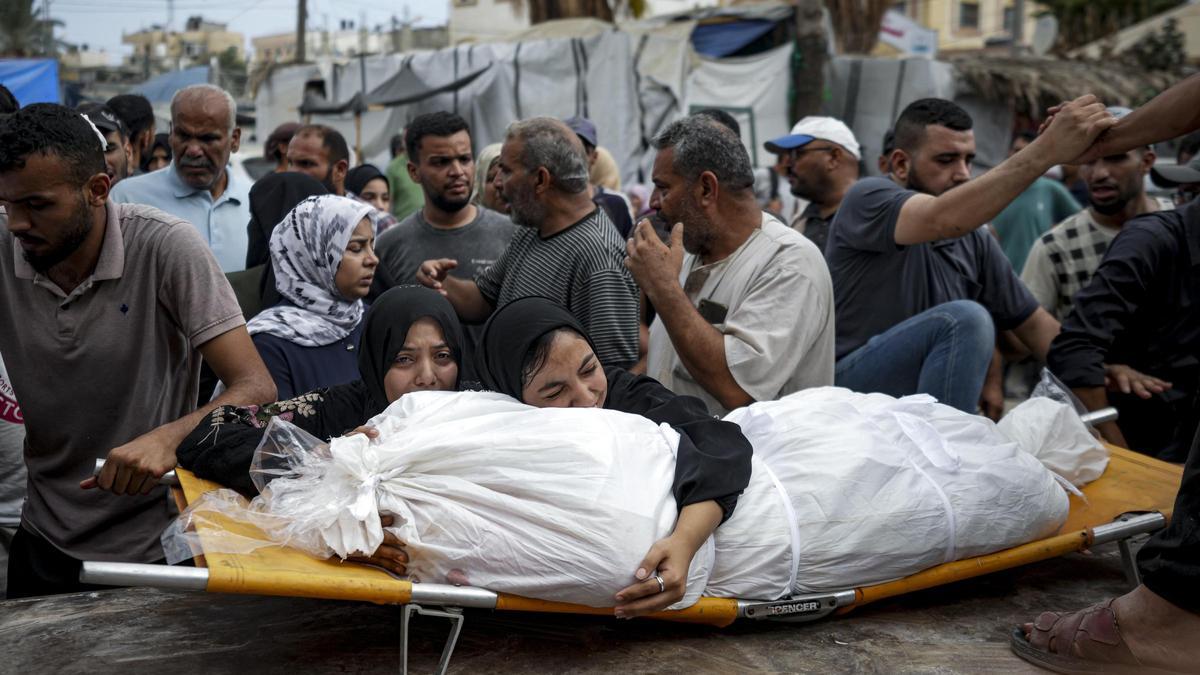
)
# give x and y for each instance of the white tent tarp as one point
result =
(630, 83)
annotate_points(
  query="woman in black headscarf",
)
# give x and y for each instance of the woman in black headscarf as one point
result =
(537, 352)
(411, 341)
(367, 183)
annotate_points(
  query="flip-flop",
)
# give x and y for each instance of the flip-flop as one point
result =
(1084, 642)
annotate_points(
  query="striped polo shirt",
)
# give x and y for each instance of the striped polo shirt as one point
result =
(581, 268)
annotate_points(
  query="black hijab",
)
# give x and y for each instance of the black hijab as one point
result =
(509, 335)
(358, 177)
(385, 329)
(271, 198)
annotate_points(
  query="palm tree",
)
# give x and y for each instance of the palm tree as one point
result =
(546, 10)
(1084, 21)
(22, 32)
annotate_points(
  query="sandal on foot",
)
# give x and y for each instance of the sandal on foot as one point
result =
(1085, 641)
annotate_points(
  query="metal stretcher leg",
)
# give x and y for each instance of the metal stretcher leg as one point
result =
(455, 616)
(1129, 563)
(1122, 530)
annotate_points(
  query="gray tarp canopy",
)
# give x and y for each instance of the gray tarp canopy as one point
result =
(400, 89)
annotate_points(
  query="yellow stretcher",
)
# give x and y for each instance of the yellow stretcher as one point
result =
(1134, 496)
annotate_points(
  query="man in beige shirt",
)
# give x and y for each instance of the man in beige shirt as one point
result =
(746, 314)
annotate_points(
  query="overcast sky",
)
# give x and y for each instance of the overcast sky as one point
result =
(100, 26)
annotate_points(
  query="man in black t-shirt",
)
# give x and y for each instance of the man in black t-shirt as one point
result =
(919, 288)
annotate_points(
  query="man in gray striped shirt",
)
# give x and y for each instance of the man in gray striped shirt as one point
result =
(565, 249)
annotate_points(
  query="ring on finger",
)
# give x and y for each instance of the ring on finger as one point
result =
(662, 586)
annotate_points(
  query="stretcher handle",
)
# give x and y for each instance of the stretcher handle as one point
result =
(169, 478)
(1100, 416)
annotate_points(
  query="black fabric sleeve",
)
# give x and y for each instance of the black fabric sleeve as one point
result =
(713, 461)
(258, 249)
(221, 447)
(1106, 307)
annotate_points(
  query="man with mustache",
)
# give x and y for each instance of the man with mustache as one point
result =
(1063, 260)
(199, 188)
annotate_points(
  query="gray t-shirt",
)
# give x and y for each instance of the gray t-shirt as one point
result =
(412, 241)
(99, 366)
(878, 283)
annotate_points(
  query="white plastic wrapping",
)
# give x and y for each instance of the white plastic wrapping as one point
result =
(1048, 427)
(882, 487)
(486, 491)
(846, 489)
(1053, 432)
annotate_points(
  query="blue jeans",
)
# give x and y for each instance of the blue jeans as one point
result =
(944, 352)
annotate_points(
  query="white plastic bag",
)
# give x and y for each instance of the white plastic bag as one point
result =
(486, 491)
(846, 489)
(1052, 431)
(882, 488)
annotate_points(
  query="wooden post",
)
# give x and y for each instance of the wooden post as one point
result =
(301, 25)
(808, 60)
(358, 136)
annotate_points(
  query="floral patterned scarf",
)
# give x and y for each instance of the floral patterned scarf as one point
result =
(306, 249)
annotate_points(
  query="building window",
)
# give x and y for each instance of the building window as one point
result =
(1009, 15)
(968, 15)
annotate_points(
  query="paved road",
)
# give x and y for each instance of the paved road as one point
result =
(962, 628)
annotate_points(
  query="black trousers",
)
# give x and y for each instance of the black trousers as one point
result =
(1158, 427)
(1170, 561)
(37, 567)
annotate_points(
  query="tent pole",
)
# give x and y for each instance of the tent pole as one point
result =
(358, 136)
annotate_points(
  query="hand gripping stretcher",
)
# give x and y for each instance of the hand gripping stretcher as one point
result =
(1134, 496)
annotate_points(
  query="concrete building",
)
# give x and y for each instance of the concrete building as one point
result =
(966, 25)
(78, 57)
(156, 49)
(281, 47)
(486, 20)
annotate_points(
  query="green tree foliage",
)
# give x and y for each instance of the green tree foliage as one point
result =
(856, 23)
(22, 31)
(1161, 50)
(1084, 21)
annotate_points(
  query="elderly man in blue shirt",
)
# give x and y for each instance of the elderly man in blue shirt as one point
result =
(198, 185)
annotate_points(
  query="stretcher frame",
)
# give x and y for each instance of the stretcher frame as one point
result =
(1134, 497)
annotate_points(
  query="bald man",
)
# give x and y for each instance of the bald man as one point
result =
(199, 186)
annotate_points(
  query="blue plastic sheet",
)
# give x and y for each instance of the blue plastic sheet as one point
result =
(31, 80)
(717, 40)
(160, 88)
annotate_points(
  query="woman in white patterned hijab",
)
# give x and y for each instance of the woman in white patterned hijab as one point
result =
(324, 264)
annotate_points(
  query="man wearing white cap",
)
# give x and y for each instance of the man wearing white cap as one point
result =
(819, 159)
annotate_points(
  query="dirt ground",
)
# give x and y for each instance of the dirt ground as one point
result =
(961, 628)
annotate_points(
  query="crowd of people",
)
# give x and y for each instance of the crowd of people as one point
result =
(172, 299)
